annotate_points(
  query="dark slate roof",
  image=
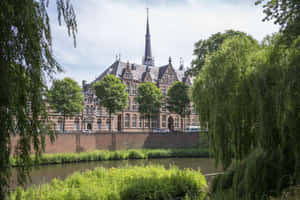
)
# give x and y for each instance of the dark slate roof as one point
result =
(156, 73)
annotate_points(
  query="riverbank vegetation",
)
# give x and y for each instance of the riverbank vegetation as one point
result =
(102, 155)
(249, 93)
(128, 183)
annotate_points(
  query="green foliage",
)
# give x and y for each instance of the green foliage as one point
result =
(112, 94)
(178, 99)
(221, 93)
(208, 46)
(250, 96)
(149, 99)
(284, 13)
(151, 182)
(65, 97)
(26, 59)
(102, 155)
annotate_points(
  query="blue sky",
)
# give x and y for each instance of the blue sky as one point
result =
(110, 27)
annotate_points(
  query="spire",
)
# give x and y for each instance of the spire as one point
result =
(148, 59)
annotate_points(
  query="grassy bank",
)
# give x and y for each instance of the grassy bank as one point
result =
(103, 155)
(138, 183)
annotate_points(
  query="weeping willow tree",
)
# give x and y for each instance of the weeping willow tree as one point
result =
(222, 93)
(26, 59)
(249, 93)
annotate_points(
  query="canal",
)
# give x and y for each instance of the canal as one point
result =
(45, 173)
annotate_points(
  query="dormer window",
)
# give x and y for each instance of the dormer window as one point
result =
(170, 79)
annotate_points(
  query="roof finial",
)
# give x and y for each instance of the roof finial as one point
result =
(170, 60)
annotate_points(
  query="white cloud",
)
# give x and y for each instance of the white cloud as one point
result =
(109, 27)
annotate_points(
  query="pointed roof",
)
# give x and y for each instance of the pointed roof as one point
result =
(148, 59)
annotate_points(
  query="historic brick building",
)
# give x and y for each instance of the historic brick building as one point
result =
(95, 118)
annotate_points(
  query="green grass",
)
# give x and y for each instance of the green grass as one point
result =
(128, 183)
(102, 155)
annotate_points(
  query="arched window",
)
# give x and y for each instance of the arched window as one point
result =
(76, 124)
(99, 111)
(87, 110)
(99, 124)
(134, 121)
(127, 121)
(60, 124)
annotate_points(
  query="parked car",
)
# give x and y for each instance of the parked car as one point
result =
(160, 130)
(192, 129)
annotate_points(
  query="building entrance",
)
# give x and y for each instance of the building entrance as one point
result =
(171, 123)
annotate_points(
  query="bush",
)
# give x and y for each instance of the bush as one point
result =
(138, 183)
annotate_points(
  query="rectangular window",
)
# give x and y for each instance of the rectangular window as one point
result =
(134, 121)
(154, 123)
(147, 122)
(163, 107)
(164, 122)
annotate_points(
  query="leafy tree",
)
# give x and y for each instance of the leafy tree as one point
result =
(65, 97)
(178, 99)
(284, 13)
(26, 59)
(210, 45)
(221, 93)
(112, 94)
(149, 99)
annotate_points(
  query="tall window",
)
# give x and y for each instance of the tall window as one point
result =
(141, 122)
(134, 89)
(176, 122)
(128, 75)
(99, 111)
(92, 110)
(164, 91)
(134, 121)
(76, 124)
(128, 88)
(154, 122)
(87, 110)
(193, 109)
(194, 122)
(147, 123)
(107, 124)
(163, 107)
(164, 121)
(127, 121)
(134, 107)
(187, 121)
(170, 79)
(128, 106)
(99, 124)
(60, 124)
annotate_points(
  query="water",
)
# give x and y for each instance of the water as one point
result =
(45, 173)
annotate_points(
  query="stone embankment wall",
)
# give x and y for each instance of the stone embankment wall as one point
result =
(78, 142)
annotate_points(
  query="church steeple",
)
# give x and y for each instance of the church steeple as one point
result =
(148, 59)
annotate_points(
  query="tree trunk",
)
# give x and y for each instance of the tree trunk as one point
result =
(109, 125)
(64, 122)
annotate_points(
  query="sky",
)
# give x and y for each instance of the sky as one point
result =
(107, 28)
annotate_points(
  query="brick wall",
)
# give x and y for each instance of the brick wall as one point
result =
(77, 142)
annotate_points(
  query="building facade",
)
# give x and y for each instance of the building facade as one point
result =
(95, 118)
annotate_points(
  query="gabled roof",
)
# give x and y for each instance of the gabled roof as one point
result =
(138, 71)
